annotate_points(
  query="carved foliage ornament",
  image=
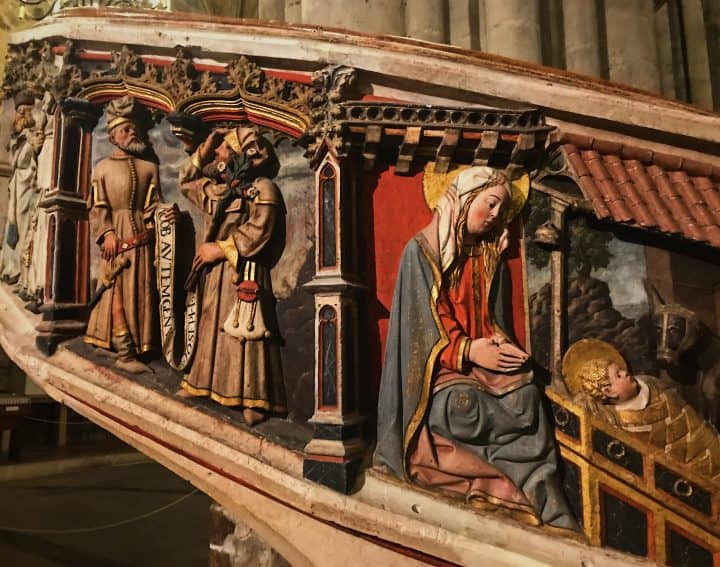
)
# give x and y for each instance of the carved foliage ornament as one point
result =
(331, 85)
(249, 78)
(311, 112)
(179, 80)
(32, 66)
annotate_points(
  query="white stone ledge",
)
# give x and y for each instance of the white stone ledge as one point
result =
(261, 482)
(474, 77)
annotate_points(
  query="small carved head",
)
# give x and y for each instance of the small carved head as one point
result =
(24, 104)
(676, 327)
(676, 331)
(605, 381)
(127, 125)
(37, 139)
(485, 200)
(485, 210)
(255, 149)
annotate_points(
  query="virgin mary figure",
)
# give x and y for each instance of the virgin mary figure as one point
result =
(458, 408)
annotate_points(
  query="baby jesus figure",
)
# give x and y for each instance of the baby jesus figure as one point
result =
(646, 406)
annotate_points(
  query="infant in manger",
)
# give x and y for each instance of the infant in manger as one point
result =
(648, 407)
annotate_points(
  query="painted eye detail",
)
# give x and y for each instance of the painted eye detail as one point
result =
(251, 152)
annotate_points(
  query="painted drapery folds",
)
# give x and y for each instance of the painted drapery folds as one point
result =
(237, 360)
(293, 272)
(25, 143)
(458, 410)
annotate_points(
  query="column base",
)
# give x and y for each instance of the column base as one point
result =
(337, 473)
(334, 455)
(61, 322)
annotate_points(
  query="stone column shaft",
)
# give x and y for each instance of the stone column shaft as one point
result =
(425, 19)
(698, 61)
(558, 276)
(370, 16)
(462, 23)
(632, 50)
(293, 11)
(67, 275)
(712, 33)
(663, 35)
(333, 455)
(513, 29)
(272, 10)
(582, 43)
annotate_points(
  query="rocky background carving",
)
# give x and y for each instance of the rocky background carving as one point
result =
(590, 307)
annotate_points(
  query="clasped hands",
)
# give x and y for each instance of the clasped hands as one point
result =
(497, 354)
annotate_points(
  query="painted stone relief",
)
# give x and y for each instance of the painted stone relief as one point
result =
(34, 255)
(233, 355)
(648, 407)
(635, 404)
(25, 144)
(293, 312)
(237, 359)
(458, 407)
(125, 193)
(258, 284)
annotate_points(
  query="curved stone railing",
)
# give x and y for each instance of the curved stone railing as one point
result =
(259, 481)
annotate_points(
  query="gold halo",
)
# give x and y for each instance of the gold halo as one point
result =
(435, 185)
(519, 195)
(584, 351)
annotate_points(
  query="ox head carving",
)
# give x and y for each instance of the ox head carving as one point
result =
(676, 327)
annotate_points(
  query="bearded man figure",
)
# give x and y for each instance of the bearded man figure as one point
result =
(24, 146)
(237, 361)
(125, 194)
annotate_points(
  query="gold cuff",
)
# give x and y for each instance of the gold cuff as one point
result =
(195, 160)
(464, 353)
(230, 250)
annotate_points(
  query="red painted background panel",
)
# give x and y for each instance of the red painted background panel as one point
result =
(394, 210)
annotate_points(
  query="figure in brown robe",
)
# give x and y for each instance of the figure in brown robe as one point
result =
(237, 361)
(125, 193)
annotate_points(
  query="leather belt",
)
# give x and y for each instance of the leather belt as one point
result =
(140, 239)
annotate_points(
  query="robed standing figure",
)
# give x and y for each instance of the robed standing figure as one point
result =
(237, 358)
(458, 409)
(25, 143)
(125, 194)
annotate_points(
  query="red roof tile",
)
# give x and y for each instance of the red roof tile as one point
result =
(652, 190)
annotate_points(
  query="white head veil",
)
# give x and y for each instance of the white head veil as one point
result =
(452, 203)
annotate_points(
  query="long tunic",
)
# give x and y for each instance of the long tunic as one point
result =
(23, 197)
(233, 371)
(32, 276)
(125, 193)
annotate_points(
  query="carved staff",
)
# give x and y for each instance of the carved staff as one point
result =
(108, 281)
